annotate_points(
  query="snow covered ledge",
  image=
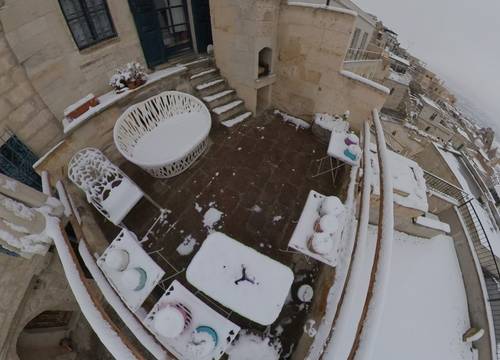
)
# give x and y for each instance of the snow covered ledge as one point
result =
(102, 325)
(369, 326)
(365, 81)
(325, 7)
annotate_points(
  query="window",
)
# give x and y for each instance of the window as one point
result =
(88, 20)
(355, 38)
(363, 41)
(433, 116)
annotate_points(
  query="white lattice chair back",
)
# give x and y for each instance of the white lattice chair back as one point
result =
(107, 188)
(144, 117)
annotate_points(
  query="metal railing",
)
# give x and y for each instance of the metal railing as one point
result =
(446, 189)
(361, 55)
(480, 241)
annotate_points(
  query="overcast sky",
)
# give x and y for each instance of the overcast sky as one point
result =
(459, 40)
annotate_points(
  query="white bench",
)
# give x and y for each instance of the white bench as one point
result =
(164, 134)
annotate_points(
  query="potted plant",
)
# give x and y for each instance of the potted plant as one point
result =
(130, 76)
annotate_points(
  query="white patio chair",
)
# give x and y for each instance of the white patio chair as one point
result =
(107, 188)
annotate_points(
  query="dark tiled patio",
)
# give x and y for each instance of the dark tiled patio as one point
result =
(263, 165)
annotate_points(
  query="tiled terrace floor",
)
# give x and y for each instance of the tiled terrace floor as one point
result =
(263, 164)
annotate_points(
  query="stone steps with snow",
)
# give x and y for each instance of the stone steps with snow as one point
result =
(196, 63)
(220, 98)
(207, 75)
(211, 87)
(237, 119)
(229, 110)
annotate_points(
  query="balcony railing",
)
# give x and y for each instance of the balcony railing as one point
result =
(362, 55)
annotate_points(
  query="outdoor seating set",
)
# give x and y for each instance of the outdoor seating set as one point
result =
(321, 223)
(165, 135)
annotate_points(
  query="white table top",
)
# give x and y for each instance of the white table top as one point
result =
(217, 267)
(336, 148)
(137, 258)
(202, 315)
(305, 228)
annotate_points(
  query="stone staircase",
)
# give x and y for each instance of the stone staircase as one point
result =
(223, 102)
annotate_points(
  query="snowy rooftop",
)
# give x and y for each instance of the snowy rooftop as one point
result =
(425, 284)
(399, 59)
(408, 179)
(403, 79)
(430, 102)
(251, 184)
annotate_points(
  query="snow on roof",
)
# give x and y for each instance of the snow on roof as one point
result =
(403, 79)
(365, 81)
(463, 133)
(483, 153)
(399, 59)
(408, 178)
(426, 278)
(430, 102)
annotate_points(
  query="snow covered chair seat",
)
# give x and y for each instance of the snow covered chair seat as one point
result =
(164, 134)
(188, 327)
(107, 188)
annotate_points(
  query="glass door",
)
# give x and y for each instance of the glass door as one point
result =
(174, 26)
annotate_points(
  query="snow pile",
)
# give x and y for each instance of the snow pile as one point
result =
(19, 209)
(408, 177)
(211, 218)
(420, 132)
(426, 284)
(251, 347)
(187, 246)
(9, 184)
(299, 123)
(332, 122)
(433, 223)
(403, 79)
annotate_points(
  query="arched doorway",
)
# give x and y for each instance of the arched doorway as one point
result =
(46, 336)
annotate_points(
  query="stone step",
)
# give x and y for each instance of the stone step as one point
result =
(211, 87)
(220, 98)
(237, 119)
(201, 72)
(197, 63)
(204, 76)
(229, 110)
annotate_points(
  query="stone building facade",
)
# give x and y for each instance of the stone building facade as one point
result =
(22, 110)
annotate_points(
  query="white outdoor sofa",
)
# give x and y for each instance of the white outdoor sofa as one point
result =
(164, 134)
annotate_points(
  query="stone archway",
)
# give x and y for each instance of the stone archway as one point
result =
(46, 336)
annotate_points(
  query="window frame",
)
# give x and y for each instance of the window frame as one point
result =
(86, 14)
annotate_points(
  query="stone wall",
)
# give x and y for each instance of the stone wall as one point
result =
(97, 131)
(61, 73)
(370, 69)
(21, 108)
(240, 29)
(312, 45)
(431, 160)
(398, 94)
(29, 287)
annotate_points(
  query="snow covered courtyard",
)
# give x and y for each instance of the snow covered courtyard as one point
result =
(425, 312)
